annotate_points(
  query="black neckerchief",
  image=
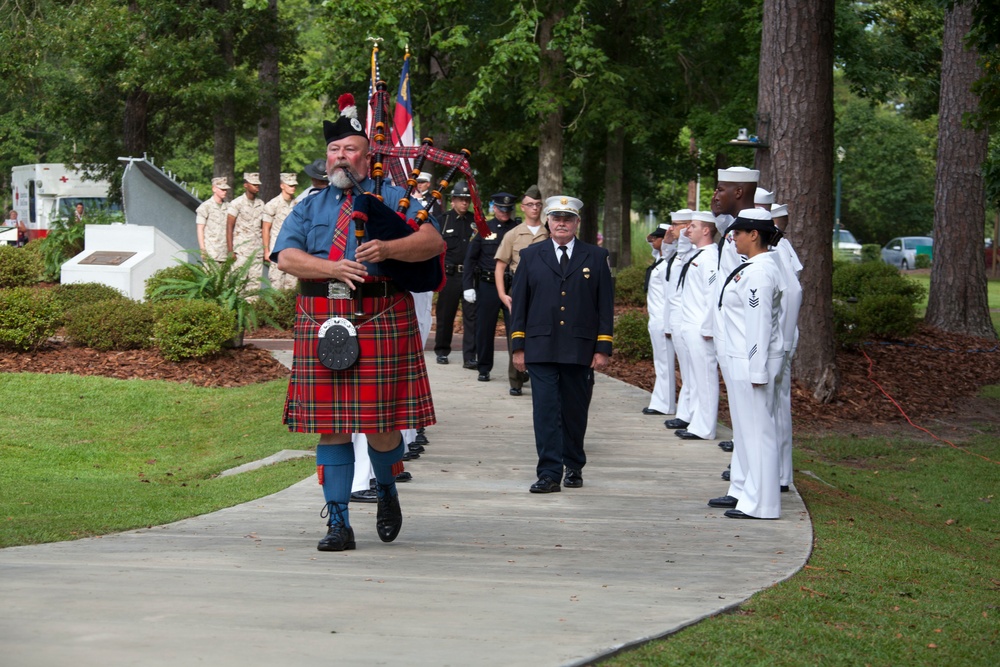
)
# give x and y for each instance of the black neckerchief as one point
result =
(731, 276)
(670, 266)
(649, 274)
(684, 271)
(722, 242)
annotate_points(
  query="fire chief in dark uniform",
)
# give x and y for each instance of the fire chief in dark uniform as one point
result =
(562, 317)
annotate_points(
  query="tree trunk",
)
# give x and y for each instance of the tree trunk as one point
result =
(590, 189)
(613, 168)
(269, 126)
(692, 194)
(796, 93)
(550, 140)
(958, 299)
(626, 223)
(224, 132)
(134, 123)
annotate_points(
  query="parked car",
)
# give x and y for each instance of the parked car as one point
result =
(845, 246)
(903, 250)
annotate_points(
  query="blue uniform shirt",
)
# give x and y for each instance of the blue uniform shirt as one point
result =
(311, 224)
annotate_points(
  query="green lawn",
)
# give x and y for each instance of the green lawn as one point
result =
(992, 295)
(905, 568)
(87, 456)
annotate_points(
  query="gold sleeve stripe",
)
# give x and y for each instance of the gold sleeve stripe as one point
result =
(604, 339)
(517, 334)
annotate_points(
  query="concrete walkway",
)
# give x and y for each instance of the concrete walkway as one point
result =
(483, 572)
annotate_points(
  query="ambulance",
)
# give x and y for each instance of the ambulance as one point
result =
(43, 193)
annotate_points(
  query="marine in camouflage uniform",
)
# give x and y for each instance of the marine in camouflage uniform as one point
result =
(275, 212)
(210, 217)
(244, 228)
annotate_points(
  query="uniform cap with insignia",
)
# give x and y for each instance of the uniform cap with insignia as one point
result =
(659, 232)
(316, 169)
(503, 200)
(221, 182)
(289, 178)
(563, 204)
(533, 192)
(461, 189)
(738, 175)
(681, 215)
(253, 178)
(424, 177)
(348, 124)
(762, 196)
(779, 211)
(753, 218)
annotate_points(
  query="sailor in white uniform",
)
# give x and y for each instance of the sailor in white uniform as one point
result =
(663, 400)
(751, 304)
(697, 286)
(791, 302)
(672, 320)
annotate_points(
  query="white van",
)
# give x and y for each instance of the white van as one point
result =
(45, 192)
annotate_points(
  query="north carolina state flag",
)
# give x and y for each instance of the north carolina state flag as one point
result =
(402, 116)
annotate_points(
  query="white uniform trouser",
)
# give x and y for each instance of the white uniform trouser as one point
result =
(705, 384)
(665, 389)
(685, 397)
(363, 473)
(753, 478)
(783, 420)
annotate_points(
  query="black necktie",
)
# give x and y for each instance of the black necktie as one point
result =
(564, 260)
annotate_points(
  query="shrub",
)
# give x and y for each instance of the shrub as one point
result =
(873, 299)
(18, 267)
(282, 313)
(114, 324)
(628, 286)
(923, 261)
(74, 295)
(159, 279)
(632, 336)
(193, 329)
(27, 317)
(871, 252)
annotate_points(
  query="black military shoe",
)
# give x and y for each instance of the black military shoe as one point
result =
(415, 448)
(651, 411)
(442, 359)
(514, 391)
(676, 423)
(484, 377)
(545, 485)
(723, 501)
(471, 365)
(725, 475)
(339, 537)
(726, 445)
(421, 439)
(365, 496)
(389, 518)
(687, 435)
(573, 479)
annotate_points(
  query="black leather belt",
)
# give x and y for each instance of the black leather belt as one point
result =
(334, 289)
(452, 269)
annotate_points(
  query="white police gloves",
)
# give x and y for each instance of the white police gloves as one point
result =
(469, 295)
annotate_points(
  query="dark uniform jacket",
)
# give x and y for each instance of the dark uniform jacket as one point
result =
(457, 232)
(482, 253)
(563, 320)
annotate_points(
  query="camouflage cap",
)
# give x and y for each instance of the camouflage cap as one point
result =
(253, 178)
(221, 182)
(288, 178)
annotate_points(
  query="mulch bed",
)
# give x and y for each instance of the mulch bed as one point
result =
(931, 376)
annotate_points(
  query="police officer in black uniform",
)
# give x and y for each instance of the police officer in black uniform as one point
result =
(479, 283)
(457, 227)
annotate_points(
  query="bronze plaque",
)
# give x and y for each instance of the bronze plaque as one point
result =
(107, 257)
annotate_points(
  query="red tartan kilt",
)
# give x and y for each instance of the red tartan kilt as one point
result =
(386, 390)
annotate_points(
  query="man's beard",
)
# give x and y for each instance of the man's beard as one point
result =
(340, 180)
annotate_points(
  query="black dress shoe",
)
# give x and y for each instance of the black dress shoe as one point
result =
(651, 411)
(404, 476)
(415, 448)
(573, 479)
(409, 456)
(471, 365)
(389, 518)
(676, 423)
(723, 501)
(784, 488)
(514, 392)
(726, 445)
(366, 496)
(545, 485)
(687, 435)
(736, 514)
(725, 475)
(484, 377)
(421, 439)
(442, 359)
(338, 538)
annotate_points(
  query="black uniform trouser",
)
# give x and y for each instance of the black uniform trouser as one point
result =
(488, 310)
(560, 405)
(448, 301)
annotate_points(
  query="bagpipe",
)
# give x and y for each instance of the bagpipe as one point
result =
(373, 217)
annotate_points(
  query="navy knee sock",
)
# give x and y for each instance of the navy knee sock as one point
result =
(336, 466)
(382, 463)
